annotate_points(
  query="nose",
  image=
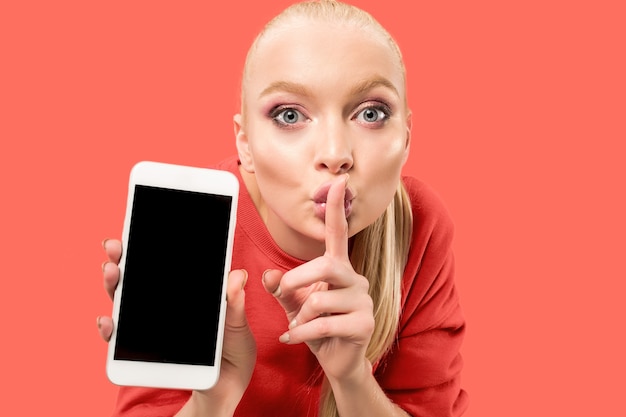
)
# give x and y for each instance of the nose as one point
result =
(334, 150)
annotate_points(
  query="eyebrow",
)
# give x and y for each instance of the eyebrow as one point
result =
(370, 84)
(301, 90)
(286, 86)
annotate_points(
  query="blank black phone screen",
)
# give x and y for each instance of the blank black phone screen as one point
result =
(175, 259)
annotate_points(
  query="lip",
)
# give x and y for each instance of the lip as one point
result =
(320, 196)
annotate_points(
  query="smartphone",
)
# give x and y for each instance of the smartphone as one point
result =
(170, 303)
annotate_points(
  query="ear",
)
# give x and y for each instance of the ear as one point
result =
(407, 143)
(243, 146)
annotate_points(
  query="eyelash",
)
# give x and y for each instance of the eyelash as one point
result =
(277, 113)
(379, 108)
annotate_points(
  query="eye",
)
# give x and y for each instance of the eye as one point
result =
(287, 116)
(373, 114)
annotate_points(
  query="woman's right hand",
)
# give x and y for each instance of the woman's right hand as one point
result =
(238, 352)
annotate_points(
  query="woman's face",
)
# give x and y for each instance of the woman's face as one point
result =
(321, 101)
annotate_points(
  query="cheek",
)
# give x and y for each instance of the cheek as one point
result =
(381, 171)
(384, 163)
(276, 159)
(276, 169)
(270, 158)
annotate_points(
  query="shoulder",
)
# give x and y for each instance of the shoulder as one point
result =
(428, 281)
(431, 217)
(229, 164)
(422, 372)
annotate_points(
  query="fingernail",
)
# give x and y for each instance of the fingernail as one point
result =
(104, 243)
(293, 323)
(284, 338)
(104, 265)
(277, 292)
(98, 322)
(245, 278)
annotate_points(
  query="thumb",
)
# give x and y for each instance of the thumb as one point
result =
(235, 298)
(271, 282)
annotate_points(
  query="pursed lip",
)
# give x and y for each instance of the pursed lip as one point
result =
(320, 196)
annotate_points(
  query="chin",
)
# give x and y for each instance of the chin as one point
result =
(355, 228)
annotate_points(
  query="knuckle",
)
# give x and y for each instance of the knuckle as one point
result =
(363, 283)
(369, 324)
(315, 301)
(323, 327)
(327, 266)
(366, 323)
(368, 304)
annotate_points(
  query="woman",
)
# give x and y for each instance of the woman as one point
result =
(349, 305)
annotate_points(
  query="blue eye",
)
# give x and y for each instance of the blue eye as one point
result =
(372, 114)
(288, 116)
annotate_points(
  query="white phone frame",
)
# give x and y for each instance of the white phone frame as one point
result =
(169, 375)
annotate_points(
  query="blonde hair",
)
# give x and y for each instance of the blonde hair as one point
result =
(329, 11)
(379, 252)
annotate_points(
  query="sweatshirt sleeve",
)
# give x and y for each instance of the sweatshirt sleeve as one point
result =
(422, 372)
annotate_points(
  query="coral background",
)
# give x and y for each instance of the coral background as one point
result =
(519, 124)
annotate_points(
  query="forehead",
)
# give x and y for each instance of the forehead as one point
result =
(322, 56)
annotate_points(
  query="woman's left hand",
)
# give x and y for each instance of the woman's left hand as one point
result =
(327, 303)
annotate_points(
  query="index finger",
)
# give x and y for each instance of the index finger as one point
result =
(110, 268)
(336, 230)
(113, 249)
